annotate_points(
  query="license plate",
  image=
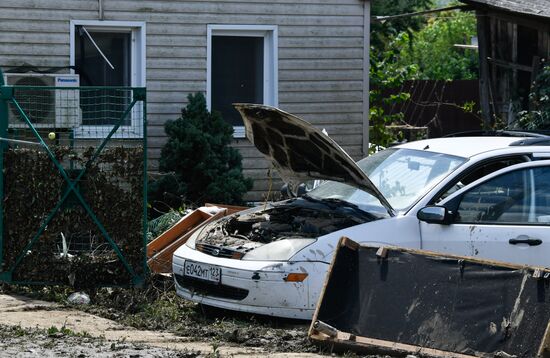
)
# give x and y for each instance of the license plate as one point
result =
(202, 271)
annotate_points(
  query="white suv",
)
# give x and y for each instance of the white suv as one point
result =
(481, 196)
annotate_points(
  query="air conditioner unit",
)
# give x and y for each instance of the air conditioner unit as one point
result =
(49, 107)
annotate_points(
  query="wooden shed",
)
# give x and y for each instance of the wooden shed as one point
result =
(514, 43)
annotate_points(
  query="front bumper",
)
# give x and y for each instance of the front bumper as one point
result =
(252, 286)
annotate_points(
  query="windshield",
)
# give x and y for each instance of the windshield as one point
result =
(401, 175)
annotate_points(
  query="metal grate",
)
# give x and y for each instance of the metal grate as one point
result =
(219, 251)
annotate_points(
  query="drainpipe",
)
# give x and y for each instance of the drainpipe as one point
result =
(366, 71)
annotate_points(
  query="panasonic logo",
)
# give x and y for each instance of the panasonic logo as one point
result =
(66, 80)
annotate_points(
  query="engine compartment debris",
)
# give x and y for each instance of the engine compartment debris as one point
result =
(291, 219)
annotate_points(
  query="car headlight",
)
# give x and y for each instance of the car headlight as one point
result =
(278, 251)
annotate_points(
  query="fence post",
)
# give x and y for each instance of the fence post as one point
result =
(4, 95)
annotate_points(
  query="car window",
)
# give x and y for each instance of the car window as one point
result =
(541, 195)
(479, 172)
(401, 175)
(518, 197)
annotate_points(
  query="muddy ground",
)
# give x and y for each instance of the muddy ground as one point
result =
(154, 309)
(16, 341)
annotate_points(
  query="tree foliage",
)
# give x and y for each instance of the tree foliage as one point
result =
(383, 32)
(538, 117)
(431, 49)
(200, 165)
(384, 74)
(411, 48)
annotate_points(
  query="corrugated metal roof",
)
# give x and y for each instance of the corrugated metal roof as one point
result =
(540, 8)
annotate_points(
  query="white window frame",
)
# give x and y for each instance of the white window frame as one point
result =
(138, 69)
(271, 61)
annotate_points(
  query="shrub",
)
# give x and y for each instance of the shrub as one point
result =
(538, 116)
(202, 166)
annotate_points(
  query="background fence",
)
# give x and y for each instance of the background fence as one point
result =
(73, 197)
(439, 105)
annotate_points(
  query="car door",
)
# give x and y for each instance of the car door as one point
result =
(504, 216)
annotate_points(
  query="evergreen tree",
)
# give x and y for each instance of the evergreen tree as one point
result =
(202, 166)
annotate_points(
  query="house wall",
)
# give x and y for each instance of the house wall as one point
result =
(320, 57)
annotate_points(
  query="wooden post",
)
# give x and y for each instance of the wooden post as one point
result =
(483, 45)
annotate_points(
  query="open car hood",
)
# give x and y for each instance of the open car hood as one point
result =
(301, 152)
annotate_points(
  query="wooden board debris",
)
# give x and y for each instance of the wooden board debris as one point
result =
(432, 305)
(162, 248)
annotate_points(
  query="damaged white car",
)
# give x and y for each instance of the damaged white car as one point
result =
(485, 196)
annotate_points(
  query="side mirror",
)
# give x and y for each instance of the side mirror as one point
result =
(434, 215)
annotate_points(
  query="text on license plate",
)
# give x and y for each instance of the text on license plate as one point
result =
(202, 271)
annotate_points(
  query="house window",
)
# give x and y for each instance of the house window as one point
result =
(108, 53)
(242, 68)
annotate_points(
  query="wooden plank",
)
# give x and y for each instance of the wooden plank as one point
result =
(35, 26)
(161, 28)
(49, 5)
(322, 53)
(320, 97)
(235, 18)
(321, 64)
(161, 262)
(342, 107)
(181, 63)
(21, 49)
(175, 74)
(33, 38)
(177, 40)
(57, 13)
(482, 28)
(160, 86)
(176, 52)
(185, 224)
(320, 75)
(255, 8)
(321, 42)
(329, 31)
(381, 347)
(320, 86)
(509, 65)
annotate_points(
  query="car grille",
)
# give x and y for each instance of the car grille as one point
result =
(211, 289)
(219, 251)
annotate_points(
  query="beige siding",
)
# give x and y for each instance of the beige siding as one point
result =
(320, 57)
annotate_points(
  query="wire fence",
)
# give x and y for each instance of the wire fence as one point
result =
(73, 200)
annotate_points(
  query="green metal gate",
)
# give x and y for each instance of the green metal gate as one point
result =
(73, 184)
